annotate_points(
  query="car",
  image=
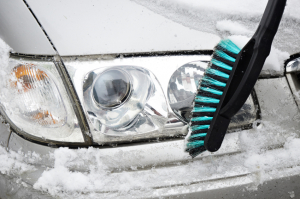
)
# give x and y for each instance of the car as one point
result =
(96, 99)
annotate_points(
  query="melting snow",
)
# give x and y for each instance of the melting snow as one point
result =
(100, 176)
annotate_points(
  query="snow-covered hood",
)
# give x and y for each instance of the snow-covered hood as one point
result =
(211, 16)
(129, 26)
(121, 26)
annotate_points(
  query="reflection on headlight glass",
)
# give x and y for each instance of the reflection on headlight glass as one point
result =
(111, 88)
(182, 89)
(124, 100)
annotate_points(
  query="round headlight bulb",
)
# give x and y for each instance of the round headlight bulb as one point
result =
(111, 88)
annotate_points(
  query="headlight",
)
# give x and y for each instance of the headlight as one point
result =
(123, 92)
(107, 100)
(123, 100)
(137, 108)
(35, 101)
(36, 97)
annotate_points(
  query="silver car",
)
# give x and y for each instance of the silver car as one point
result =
(96, 97)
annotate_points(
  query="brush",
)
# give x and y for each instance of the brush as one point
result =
(228, 81)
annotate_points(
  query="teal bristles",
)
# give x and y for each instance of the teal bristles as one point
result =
(206, 99)
(197, 135)
(224, 55)
(199, 127)
(213, 91)
(227, 44)
(221, 64)
(195, 144)
(203, 109)
(209, 81)
(209, 93)
(197, 119)
(216, 72)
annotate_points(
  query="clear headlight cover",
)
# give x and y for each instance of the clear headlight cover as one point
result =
(36, 96)
(123, 98)
(123, 101)
(34, 99)
(182, 90)
(117, 96)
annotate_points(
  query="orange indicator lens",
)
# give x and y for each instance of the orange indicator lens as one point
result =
(38, 95)
(26, 75)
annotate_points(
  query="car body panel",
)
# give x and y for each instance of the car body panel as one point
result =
(105, 27)
(20, 30)
(164, 169)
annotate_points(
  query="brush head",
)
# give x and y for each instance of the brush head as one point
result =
(209, 93)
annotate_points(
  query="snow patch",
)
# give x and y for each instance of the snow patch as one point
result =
(292, 194)
(275, 60)
(63, 179)
(239, 40)
(4, 59)
(16, 163)
(230, 7)
(203, 15)
(232, 26)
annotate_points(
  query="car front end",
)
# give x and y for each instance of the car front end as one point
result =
(96, 99)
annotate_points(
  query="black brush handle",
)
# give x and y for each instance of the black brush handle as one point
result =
(271, 19)
(246, 70)
(252, 58)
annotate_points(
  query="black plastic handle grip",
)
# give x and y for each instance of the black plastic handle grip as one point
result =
(246, 70)
(271, 17)
(252, 58)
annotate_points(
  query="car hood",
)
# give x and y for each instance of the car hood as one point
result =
(101, 27)
(121, 26)
(230, 17)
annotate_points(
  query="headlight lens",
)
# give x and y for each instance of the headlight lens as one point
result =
(111, 88)
(37, 96)
(34, 100)
(116, 96)
(182, 90)
(183, 86)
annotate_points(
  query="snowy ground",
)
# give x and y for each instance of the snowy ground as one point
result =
(98, 172)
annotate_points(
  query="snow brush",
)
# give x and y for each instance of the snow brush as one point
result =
(228, 81)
